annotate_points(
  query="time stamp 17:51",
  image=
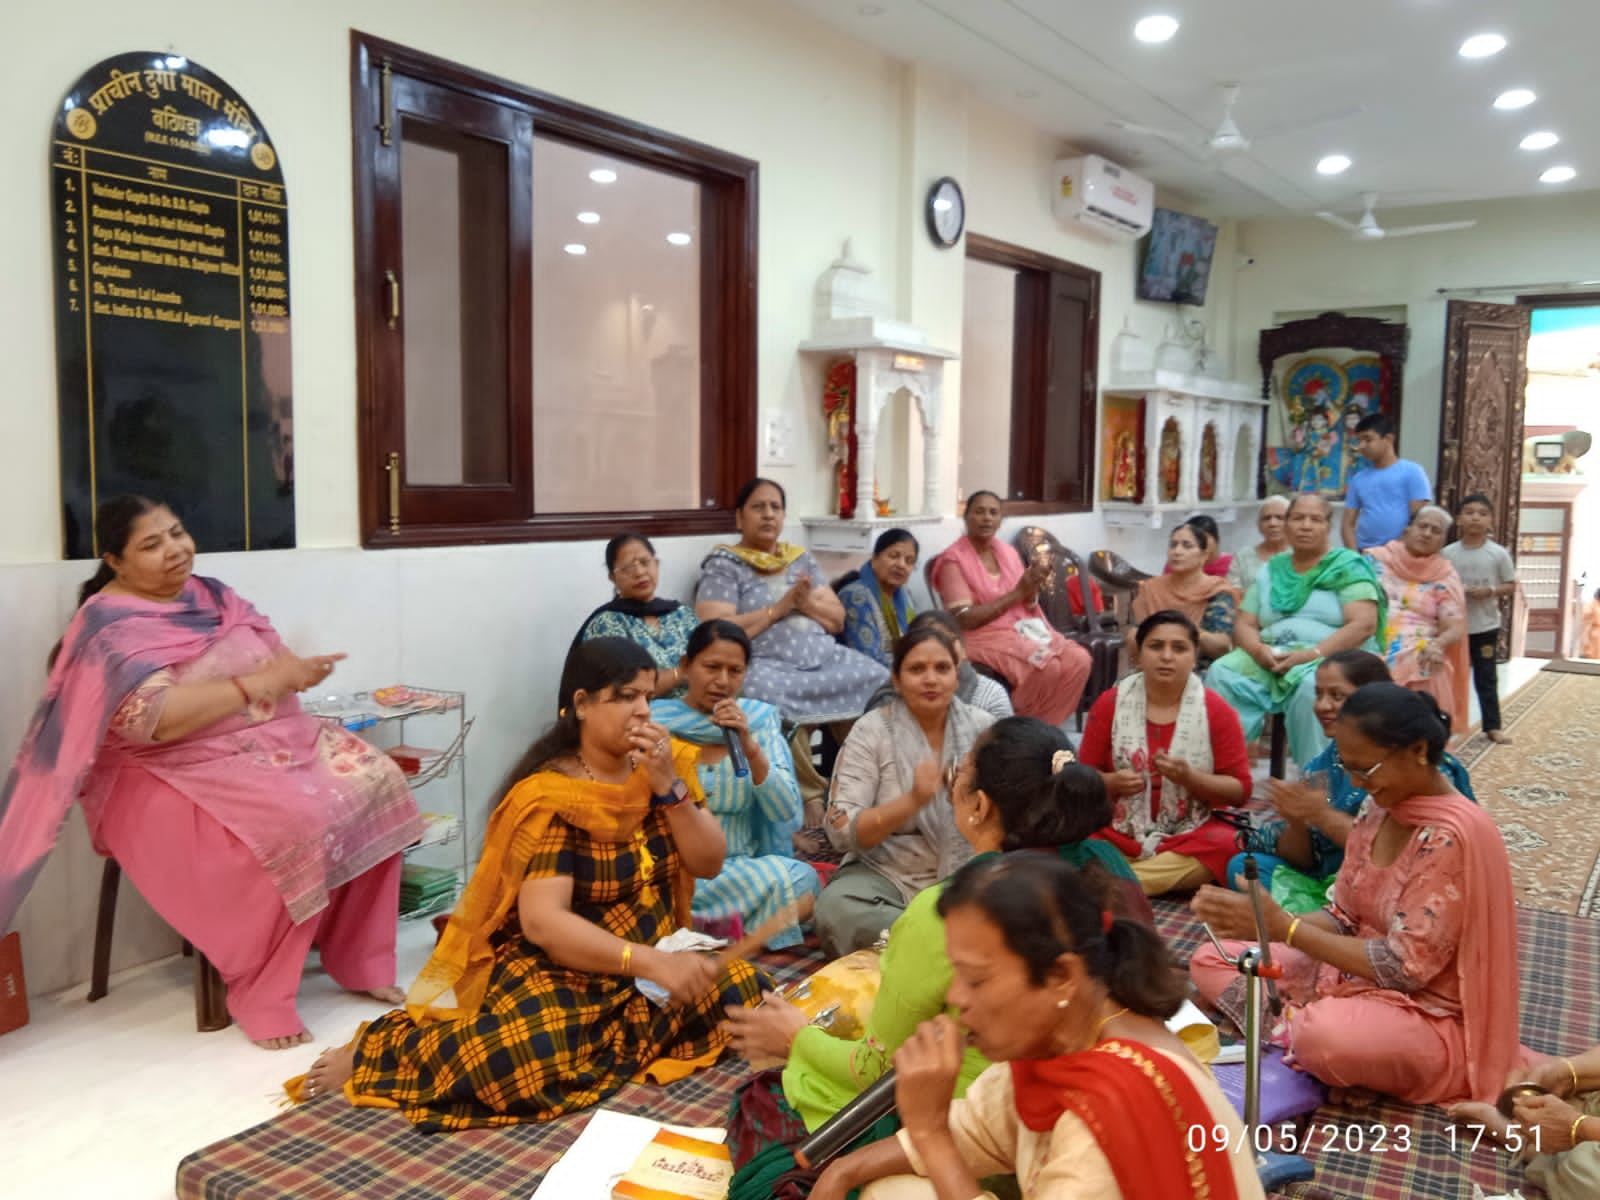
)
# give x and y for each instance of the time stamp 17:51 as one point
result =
(1329, 1137)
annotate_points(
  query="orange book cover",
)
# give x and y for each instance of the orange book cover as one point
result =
(13, 990)
(674, 1167)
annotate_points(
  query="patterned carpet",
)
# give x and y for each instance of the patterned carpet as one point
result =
(1544, 790)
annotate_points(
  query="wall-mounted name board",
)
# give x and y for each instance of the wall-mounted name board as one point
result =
(171, 233)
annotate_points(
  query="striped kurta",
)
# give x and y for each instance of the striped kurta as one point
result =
(760, 874)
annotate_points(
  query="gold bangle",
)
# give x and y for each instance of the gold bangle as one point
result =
(1574, 1071)
(1288, 938)
(627, 957)
(1573, 1136)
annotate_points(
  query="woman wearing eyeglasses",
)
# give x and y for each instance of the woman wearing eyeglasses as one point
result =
(635, 612)
(1406, 983)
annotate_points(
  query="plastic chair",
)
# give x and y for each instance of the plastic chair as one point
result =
(210, 993)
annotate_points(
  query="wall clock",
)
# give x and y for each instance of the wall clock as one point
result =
(946, 212)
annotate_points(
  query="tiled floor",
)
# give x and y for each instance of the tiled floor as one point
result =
(102, 1100)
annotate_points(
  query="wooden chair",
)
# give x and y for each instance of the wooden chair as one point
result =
(210, 993)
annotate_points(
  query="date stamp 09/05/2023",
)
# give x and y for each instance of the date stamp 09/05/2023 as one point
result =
(1331, 1137)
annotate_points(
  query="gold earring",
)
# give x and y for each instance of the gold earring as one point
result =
(1063, 1002)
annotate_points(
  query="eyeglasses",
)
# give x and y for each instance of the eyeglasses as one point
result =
(1365, 777)
(629, 568)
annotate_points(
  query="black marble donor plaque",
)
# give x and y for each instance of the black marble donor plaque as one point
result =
(170, 225)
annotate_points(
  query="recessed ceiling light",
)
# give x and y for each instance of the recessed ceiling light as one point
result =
(1515, 98)
(1333, 164)
(679, 239)
(1542, 140)
(575, 248)
(589, 218)
(1558, 175)
(1159, 28)
(603, 175)
(1482, 45)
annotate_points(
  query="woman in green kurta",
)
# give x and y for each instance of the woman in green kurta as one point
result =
(1020, 788)
(1307, 603)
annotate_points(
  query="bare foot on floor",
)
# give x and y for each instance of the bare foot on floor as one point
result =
(386, 995)
(330, 1072)
(1498, 737)
(284, 1043)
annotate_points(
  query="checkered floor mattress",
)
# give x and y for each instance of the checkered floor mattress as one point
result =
(327, 1150)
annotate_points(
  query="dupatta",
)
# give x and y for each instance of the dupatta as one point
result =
(1486, 959)
(654, 607)
(1140, 1109)
(1434, 568)
(112, 645)
(454, 980)
(761, 561)
(895, 608)
(1188, 596)
(1288, 590)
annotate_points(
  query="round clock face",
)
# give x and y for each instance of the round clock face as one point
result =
(947, 212)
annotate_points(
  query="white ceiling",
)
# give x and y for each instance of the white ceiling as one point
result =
(1428, 133)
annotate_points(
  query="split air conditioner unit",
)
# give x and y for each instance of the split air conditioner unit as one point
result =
(1108, 198)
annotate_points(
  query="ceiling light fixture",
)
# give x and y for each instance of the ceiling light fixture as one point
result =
(1542, 140)
(1515, 98)
(679, 239)
(1156, 29)
(576, 248)
(1333, 164)
(1482, 45)
(1559, 175)
(589, 218)
(603, 175)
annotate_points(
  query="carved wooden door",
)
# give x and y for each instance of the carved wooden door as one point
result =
(1480, 427)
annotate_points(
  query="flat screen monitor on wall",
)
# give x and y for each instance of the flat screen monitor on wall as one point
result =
(1177, 258)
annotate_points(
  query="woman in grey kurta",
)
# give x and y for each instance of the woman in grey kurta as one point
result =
(889, 808)
(778, 595)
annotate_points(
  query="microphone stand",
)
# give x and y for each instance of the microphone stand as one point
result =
(1255, 964)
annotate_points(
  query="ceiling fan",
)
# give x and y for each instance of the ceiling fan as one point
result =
(1228, 138)
(1367, 228)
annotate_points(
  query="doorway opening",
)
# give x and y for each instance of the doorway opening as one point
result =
(1558, 534)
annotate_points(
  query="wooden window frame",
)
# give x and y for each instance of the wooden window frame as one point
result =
(728, 246)
(1030, 373)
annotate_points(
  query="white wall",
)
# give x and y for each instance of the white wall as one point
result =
(1308, 266)
(848, 142)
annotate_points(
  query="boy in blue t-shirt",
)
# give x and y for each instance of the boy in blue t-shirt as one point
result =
(1381, 500)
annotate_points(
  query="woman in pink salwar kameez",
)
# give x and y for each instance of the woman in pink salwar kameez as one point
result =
(984, 584)
(253, 829)
(1405, 984)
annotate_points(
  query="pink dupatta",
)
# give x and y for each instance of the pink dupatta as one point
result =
(1435, 568)
(314, 805)
(1486, 960)
(1000, 634)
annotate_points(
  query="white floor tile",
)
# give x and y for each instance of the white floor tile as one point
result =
(102, 1100)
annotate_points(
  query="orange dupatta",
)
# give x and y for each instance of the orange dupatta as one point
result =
(453, 982)
(1188, 596)
(1141, 1112)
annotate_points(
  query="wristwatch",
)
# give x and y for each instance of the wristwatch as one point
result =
(676, 794)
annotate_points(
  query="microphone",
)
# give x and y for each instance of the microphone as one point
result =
(736, 754)
(840, 1131)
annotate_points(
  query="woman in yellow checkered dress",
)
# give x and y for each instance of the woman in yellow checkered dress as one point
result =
(529, 1008)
